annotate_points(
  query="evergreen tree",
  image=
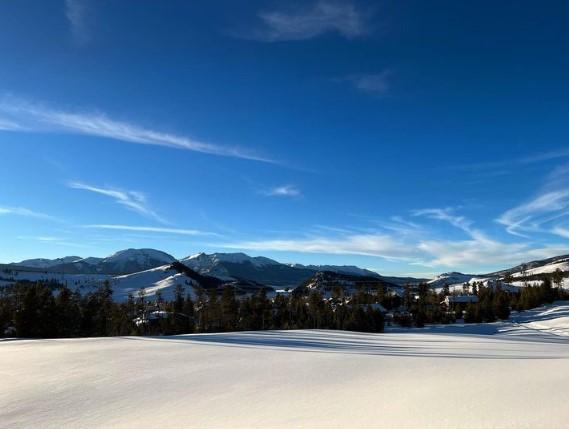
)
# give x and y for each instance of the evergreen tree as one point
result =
(229, 309)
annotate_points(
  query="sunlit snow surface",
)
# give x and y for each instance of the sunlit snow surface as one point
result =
(502, 375)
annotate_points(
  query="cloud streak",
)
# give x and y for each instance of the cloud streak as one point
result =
(178, 231)
(133, 200)
(25, 212)
(7, 125)
(546, 212)
(283, 191)
(382, 246)
(447, 215)
(32, 117)
(529, 217)
(311, 21)
(515, 162)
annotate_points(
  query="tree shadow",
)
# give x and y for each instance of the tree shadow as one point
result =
(411, 345)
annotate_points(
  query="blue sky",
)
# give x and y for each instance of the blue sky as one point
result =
(407, 137)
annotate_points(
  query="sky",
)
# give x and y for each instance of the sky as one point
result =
(407, 137)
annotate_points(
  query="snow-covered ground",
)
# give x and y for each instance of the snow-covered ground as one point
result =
(502, 375)
(83, 282)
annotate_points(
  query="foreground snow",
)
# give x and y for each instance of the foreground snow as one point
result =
(449, 377)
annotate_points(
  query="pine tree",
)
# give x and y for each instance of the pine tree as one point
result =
(557, 277)
(229, 309)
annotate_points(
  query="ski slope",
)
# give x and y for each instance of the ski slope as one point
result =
(501, 375)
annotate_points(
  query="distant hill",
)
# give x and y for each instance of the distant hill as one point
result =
(123, 262)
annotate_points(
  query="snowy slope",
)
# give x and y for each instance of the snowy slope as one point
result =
(82, 282)
(562, 265)
(500, 376)
(163, 279)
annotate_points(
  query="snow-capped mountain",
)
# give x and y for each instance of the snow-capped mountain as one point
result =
(123, 262)
(134, 260)
(47, 263)
(451, 278)
(239, 266)
(234, 258)
(132, 269)
(345, 269)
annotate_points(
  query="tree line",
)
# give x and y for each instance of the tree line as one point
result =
(51, 310)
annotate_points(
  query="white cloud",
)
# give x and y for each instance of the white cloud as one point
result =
(382, 246)
(307, 22)
(77, 12)
(485, 252)
(33, 117)
(509, 164)
(7, 125)
(411, 243)
(22, 211)
(561, 231)
(544, 213)
(42, 238)
(178, 231)
(529, 217)
(479, 249)
(283, 191)
(447, 215)
(133, 200)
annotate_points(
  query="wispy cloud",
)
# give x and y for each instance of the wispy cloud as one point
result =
(561, 231)
(415, 244)
(377, 83)
(25, 212)
(309, 21)
(530, 216)
(447, 215)
(478, 249)
(178, 231)
(401, 226)
(43, 238)
(32, 117)
(382, 246)
(514, 162)
(133, 200)
(7, 125)
(282, 191)
(546, 212)
(77, 13)
(482, 251)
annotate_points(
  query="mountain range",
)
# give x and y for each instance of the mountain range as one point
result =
(225, 266)
(152, 270)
